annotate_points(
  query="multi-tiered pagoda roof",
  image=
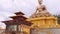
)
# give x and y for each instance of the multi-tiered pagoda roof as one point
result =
(18, 19)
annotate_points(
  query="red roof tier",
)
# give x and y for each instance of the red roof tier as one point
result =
(18, 13)
(16, 17)
(12, 22)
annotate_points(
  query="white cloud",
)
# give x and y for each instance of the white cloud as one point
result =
(53, 6)
(2, 25)
(8, 7)
(5, 4)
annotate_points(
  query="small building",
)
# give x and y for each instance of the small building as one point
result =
(19, 24)
(2, 30)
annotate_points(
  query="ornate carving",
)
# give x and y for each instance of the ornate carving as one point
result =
(41, 11)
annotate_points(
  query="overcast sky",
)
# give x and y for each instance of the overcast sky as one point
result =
(8, 7)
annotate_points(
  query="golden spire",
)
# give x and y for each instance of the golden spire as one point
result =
(41, 11)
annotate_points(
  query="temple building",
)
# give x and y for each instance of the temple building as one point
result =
(19, 25)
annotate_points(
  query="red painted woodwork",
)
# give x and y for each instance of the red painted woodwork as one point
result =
(17, 20)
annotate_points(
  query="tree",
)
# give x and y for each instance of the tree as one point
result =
(58, 16)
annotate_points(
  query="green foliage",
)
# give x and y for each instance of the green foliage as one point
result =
(58, 16)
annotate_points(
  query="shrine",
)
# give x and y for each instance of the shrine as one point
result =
(19, 25)
(43, 21)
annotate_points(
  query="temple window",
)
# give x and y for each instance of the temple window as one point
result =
(19, 27)
(13, 28)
